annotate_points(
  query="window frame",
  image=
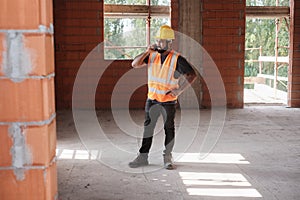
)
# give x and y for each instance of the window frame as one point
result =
(147, 12)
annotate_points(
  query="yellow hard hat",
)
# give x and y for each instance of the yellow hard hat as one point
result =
(165, 33)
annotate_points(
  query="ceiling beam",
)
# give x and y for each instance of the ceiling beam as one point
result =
(119, 11)
(267, 11)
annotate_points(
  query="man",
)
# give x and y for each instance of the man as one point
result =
(165, 68)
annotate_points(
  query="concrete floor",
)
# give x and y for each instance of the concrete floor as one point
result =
(257, 156)
(263, 94)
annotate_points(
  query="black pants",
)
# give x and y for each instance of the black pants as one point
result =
(153, 110)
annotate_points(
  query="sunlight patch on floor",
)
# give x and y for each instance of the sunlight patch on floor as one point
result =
(232, 179)
(220, 192)
(222, 158)
(76, 154)
(216, 184)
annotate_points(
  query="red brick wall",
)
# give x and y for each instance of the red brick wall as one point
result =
(79, 28)
(108, 81)
(294, 70)
(174, 14)
(223, 37)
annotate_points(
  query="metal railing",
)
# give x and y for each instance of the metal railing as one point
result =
(282, 60)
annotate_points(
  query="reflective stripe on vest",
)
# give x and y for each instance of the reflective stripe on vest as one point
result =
(161, 76)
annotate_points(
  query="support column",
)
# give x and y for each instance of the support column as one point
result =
(27, 110)
(190, 25)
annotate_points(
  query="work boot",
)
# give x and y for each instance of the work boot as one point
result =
(168, 164)
(141, 160)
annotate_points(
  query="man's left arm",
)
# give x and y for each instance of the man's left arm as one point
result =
(186, 74)
(185, 81)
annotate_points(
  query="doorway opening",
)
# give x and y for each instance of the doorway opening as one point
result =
(267, 54)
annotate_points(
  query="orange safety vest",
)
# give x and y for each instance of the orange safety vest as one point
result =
(161, 76)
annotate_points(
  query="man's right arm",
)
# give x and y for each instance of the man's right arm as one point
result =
(138, 62)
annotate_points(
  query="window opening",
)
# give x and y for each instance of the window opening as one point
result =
(129, 26)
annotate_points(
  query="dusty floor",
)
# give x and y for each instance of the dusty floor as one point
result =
(257, 156)
(264, 94)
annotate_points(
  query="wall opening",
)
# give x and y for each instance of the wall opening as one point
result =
(266, 52)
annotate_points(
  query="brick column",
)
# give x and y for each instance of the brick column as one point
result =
(294, 69)
(27, 110)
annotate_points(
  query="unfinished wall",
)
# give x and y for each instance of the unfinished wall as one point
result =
(27, 110)
(294, 69)
(223, 36)
(79, 28)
